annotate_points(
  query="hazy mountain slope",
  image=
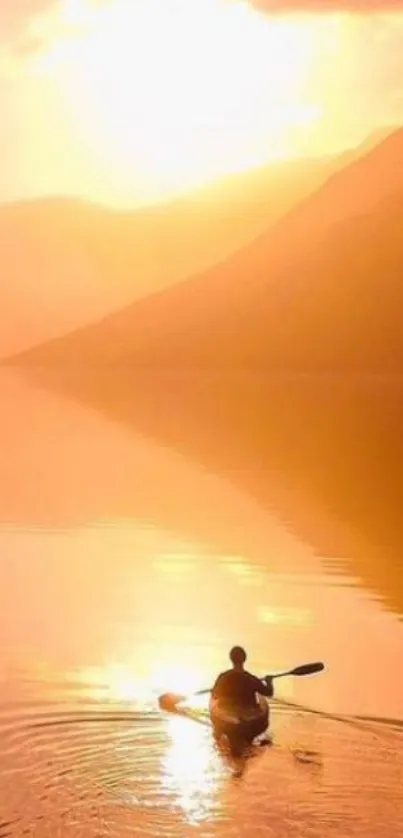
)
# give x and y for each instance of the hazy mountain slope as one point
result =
(65, 263)
(321, 290)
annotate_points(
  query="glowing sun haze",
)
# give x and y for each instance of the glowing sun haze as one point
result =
(180, 91)
(139, 99)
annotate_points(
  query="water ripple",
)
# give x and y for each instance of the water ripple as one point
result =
(97, 773)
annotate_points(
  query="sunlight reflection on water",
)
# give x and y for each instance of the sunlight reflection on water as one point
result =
(191, 770)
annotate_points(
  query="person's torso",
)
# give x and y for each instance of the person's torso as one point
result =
(236, 689)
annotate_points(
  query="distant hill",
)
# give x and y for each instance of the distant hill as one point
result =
(66, 263)
(319, 290)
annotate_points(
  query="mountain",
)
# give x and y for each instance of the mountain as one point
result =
(66, 262)
(320, 290)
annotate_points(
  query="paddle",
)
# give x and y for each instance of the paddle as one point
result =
(169, 700)
(305, 669)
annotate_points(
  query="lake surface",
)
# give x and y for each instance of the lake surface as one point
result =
(128, 567)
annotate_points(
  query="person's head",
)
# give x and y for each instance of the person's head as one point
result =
(237, 656)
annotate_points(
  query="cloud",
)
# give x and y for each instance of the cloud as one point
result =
(326, 6)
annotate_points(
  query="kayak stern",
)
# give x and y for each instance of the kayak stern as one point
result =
(239, 727)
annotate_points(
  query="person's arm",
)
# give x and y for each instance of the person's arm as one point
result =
(264, 687)
(215, 690)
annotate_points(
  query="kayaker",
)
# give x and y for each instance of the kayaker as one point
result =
(238, 688)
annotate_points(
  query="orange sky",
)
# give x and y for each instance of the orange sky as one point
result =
(128, 101)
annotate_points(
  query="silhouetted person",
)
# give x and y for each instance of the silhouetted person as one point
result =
(238, 688)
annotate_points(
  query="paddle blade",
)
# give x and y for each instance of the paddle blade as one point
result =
(169, 702)
(308, 669)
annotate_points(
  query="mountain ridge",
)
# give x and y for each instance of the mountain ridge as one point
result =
(274, 302)
(67, 262)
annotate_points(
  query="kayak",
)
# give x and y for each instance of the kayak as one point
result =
(239, 726)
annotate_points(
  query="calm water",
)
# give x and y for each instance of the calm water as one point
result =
(127, 568)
